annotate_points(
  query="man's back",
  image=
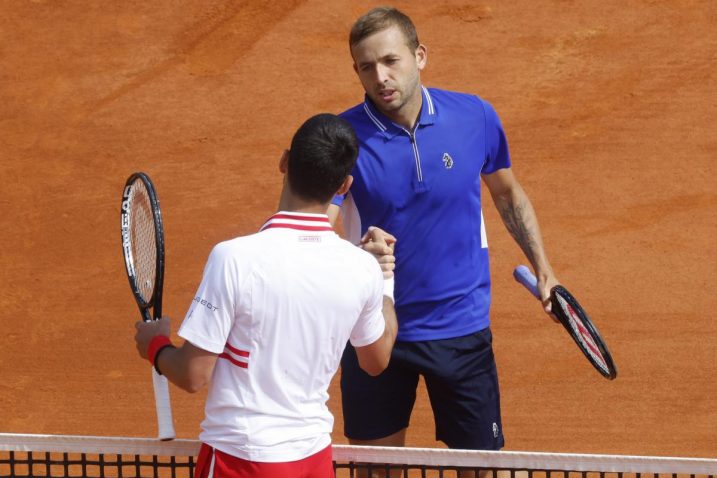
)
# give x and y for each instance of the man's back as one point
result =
(278, 307)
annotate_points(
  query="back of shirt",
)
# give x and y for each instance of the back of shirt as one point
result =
(278, 307)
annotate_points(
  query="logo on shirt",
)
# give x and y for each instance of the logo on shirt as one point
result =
(309, 238)
(206, 304)
(447, 161)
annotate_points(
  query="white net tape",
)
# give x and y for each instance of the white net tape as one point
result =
(507, 460)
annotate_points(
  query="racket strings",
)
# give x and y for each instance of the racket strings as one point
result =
(143, 240)
(583, 335)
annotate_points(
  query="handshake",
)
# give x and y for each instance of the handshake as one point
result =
(381, 245)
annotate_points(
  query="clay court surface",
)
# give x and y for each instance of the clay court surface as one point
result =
(610, 109)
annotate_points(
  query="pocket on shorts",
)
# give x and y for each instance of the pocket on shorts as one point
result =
(471, 343)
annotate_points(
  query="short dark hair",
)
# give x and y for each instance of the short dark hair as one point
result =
(379, 19)
(323, 153)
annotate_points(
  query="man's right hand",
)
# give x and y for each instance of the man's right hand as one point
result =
(381, 244)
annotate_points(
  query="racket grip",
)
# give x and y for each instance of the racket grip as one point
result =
(165, 422)
(523, 275)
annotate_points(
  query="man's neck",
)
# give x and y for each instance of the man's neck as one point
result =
(290, 203)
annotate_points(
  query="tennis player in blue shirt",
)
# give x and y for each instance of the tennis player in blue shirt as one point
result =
(423, 153)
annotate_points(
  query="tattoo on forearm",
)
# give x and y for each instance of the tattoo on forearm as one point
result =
(520, 221)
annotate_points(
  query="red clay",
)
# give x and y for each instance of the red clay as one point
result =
(610, 112)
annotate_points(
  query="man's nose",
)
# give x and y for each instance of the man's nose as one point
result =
(382, 73)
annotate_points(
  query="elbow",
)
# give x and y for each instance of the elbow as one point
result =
(376, 367)
(374, 359)
(374, 371)
(188, 367)
(193, 383)
(192, 387)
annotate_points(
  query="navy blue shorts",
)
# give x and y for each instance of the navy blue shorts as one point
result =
(462, 383)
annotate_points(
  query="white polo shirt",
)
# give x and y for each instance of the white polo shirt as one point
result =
(278, 307)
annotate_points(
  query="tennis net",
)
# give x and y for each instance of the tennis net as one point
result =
(80, 456)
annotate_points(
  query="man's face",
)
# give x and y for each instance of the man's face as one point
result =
(389, 69)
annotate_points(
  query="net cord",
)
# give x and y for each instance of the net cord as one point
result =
(508, 460)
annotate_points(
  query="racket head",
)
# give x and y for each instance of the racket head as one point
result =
(143, 243)
(577, 323)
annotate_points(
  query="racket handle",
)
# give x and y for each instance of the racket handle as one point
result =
(523, 275)
(165, 422)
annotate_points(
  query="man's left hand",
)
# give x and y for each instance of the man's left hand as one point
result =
(146, 331)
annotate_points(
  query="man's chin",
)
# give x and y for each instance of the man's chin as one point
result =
(387, 106)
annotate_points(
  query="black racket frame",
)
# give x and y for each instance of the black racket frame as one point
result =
(155, 302)
(611, 373)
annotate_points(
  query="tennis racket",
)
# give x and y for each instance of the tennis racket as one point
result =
(575, 320)
(143, 249)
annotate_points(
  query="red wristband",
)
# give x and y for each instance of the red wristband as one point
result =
(157, 343)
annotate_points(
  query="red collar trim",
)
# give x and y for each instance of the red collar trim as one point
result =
(298, 221)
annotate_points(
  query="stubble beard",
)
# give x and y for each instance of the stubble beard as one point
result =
(403, 100)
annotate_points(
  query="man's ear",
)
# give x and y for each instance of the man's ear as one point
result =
(421, 56)
(284, 162)
(345, 185)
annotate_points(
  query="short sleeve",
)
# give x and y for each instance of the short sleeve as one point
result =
(497, 154)
(211, 315)
(371, 324)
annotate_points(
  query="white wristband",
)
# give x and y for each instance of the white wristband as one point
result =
(388, 288)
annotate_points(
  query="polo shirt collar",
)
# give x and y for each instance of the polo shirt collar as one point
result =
(300, 221)
(388, 128)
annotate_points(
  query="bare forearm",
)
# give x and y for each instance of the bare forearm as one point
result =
(519, 218)
(389, 315)
(374, 358)
(521, 221)
(185, 368)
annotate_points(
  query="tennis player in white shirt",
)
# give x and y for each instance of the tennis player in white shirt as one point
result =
(272, 316)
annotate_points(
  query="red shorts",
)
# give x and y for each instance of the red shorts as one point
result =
(222, 465)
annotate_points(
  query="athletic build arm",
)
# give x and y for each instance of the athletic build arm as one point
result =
(373, 358)
(188, 367)
(519, 218)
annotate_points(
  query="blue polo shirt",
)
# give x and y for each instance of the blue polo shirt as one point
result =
(423, 186)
